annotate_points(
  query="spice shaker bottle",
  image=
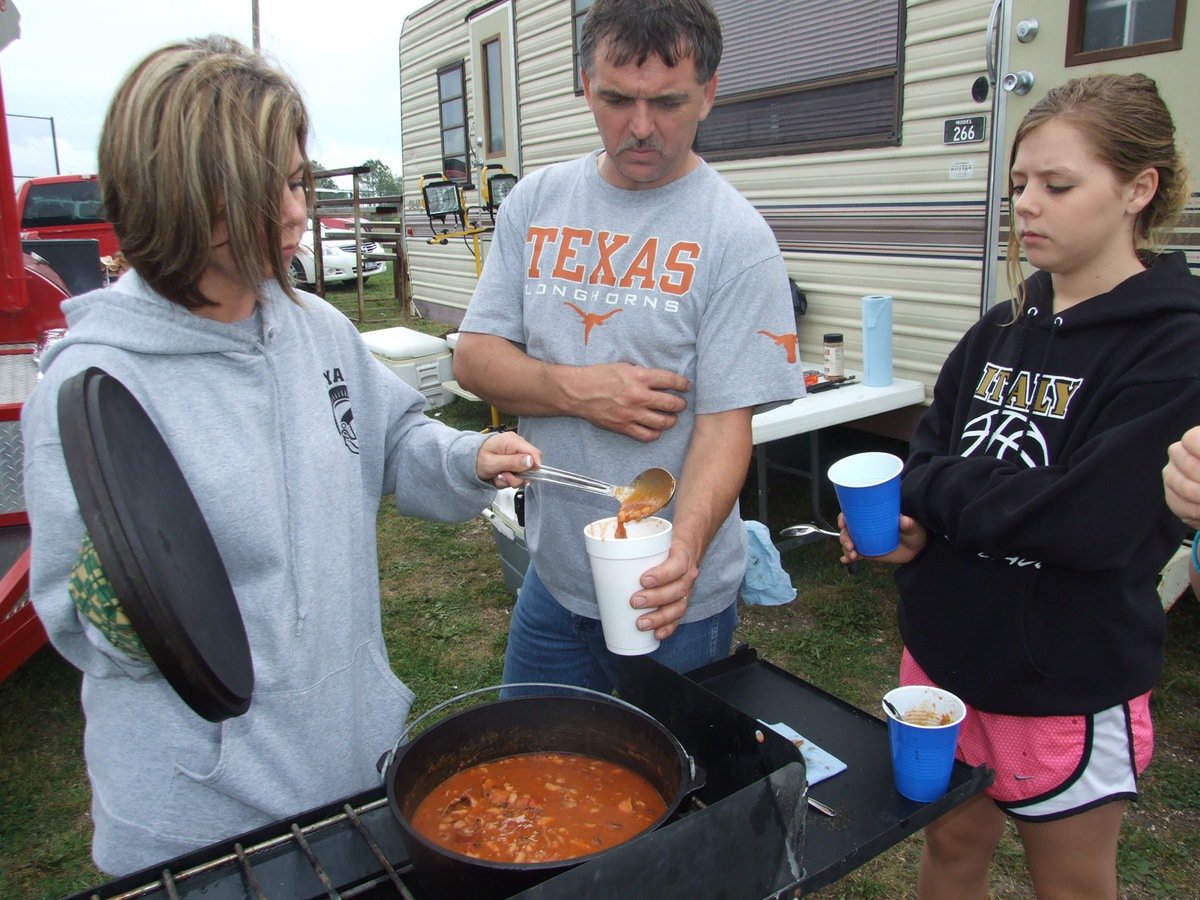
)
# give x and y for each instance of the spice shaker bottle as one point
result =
(833, 353)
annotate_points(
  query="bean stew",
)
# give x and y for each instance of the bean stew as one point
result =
(538, 807)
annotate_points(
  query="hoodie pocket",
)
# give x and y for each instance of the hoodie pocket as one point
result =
(1025, 597)
(966, 620)
(293, 750)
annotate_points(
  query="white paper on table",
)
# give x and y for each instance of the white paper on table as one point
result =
(819, 764)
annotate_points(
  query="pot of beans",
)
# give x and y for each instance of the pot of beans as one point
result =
(503, 795)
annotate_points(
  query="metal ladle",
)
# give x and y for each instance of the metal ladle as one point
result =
(654, 487)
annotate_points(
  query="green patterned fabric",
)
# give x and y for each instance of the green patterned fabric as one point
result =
(92, 593)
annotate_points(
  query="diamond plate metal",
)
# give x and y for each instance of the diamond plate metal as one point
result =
(18, 375)
(12, 459)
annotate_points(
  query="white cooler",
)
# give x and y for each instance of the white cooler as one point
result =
(421, 360)
(509, 535)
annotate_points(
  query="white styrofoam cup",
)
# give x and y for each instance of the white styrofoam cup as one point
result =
(617, 567)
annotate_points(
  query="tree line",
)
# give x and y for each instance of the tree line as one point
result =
(381, 181)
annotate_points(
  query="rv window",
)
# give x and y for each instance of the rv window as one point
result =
(1099, 30)
(805, 75)
(452, 101)
(579, 10)
(493, 88)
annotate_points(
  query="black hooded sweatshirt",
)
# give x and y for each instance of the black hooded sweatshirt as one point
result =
(1037, 471)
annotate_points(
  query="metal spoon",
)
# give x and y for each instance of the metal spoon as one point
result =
(654, 487)
(799, 531)
(821, 807)
(795, 531)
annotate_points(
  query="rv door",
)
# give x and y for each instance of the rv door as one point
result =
(493, 91)
(1034, 46)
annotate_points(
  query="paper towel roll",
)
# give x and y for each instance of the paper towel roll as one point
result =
(877, 340)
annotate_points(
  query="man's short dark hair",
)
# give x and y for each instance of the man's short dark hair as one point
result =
(635, 30)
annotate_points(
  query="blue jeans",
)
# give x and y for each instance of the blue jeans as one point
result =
(549, 643)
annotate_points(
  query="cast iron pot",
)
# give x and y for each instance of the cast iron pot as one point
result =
(600, 727)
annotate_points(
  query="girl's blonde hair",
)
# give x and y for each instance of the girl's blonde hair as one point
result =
(1128, 128)
(199, 132)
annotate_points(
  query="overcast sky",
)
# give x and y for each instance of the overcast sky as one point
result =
(72, 54)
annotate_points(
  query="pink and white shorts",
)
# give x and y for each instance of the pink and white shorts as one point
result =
(1049, 767)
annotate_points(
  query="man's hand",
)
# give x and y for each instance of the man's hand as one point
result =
(712, 477)
(633, 400)
(666, 589)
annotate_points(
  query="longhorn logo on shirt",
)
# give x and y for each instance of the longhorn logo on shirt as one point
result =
(787, 341)
(343, 415)
(590, 320)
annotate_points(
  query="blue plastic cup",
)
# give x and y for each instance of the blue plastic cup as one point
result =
(923, 739)
(868, 489)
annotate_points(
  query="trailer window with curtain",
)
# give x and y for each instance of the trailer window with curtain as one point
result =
(452, 116)
(579, 10)
(493, 92)
(804, 76)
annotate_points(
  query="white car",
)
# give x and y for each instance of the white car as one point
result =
(346, 242)
(338, 264)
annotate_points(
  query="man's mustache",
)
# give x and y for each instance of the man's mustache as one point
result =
(640, 144)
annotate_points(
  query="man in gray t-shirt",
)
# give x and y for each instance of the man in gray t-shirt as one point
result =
(633, 310)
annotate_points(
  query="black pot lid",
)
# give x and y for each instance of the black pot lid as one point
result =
(155, 546)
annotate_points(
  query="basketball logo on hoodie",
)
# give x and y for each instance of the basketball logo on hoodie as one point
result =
(1022, 398)
(343, 415)
(1006, 434)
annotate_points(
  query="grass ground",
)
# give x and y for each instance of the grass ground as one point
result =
(445, 617)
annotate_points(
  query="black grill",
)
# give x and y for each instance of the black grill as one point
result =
(744, 835)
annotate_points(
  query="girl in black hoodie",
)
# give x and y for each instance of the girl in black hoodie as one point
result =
(1034, 525)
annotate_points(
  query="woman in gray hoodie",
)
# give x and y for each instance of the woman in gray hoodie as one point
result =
(288, 432)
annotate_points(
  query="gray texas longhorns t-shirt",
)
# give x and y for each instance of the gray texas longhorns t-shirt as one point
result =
(686, 277)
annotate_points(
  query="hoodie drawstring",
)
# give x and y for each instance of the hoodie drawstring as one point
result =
(1014, 373)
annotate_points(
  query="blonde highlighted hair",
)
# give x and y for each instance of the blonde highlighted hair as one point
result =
(1128, 128)
(201, 132)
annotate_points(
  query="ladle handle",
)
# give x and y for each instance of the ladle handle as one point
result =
(570, 479)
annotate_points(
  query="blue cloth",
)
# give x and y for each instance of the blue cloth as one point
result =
(765, 583)
(547, 642)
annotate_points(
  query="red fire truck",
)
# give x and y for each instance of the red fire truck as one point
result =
(31, 292)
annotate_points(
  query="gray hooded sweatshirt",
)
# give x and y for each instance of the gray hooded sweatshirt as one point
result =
(289, 437)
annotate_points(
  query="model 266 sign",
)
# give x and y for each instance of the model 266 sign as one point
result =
(969, 130)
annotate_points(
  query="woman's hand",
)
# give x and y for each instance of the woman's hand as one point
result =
(912, 542)
(1181, 477)
(502, 456)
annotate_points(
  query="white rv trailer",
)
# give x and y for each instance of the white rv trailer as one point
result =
(870, 133)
